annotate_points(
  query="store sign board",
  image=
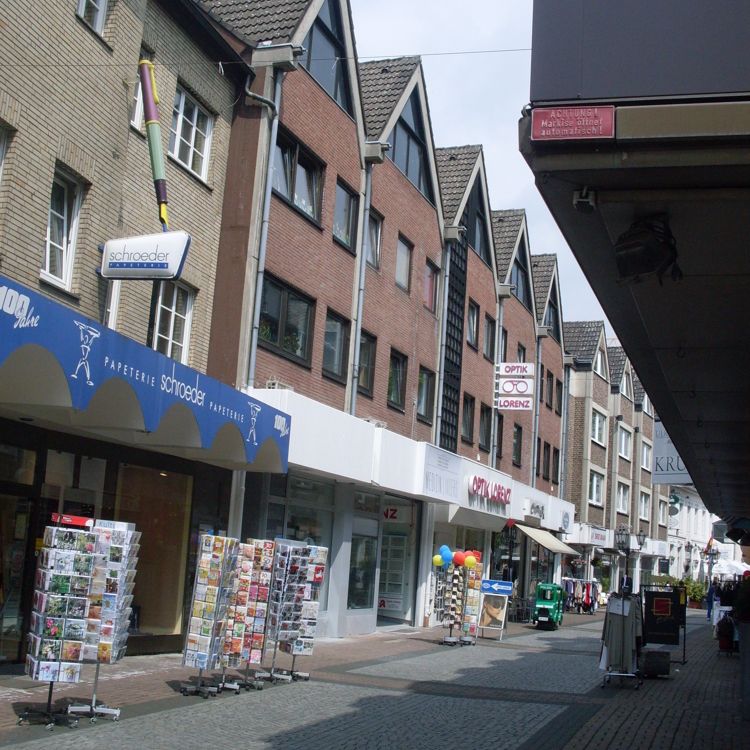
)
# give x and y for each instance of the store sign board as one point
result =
(92, 356)
(493, 494)
(148, 256)
(597, 536)
(664, 613)
(391, 513)
(668, 467)
(442, 475)
(493, 610)
(514, 387)
(514, 403)
(490, 586)
(390, 601)
(514, 370)
(572, 123)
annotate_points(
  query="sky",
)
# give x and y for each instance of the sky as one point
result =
(476, 97)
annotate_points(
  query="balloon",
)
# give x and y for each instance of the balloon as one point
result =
(447, 556)
(458, 558)
(470, 561)
(443, 549)
(437, 560)
(476, 554)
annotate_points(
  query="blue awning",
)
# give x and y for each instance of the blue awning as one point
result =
(73, 374)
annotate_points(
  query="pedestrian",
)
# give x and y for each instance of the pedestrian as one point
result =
(710, 596)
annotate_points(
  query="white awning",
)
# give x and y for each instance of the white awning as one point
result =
(551, 542)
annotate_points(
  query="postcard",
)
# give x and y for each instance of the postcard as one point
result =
(65, 539)
(71, 650)
(52, 627)
(86, 541)
(69, 672)
(78, 606)
(80, 585)
(75, 629)
(104, 652)
(59, 584)
(47, 671)
(90, 652)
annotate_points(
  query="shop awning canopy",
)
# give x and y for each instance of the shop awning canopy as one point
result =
(63, 371)
(475, 519)
(551, 542)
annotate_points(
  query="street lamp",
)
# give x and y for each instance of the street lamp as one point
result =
(712, 555)
(622, 542)
(689, 549)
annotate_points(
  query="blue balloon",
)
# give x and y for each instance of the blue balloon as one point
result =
(443, 549)
(447, 556)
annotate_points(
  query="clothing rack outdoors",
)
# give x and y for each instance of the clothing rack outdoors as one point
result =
(622, 638)
(582, 594)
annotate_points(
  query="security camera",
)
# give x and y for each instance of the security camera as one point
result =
(584, 200)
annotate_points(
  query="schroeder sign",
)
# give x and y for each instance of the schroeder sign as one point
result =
(150, 256)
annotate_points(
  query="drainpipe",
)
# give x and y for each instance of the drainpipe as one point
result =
(503, 292)
(278, 77)
(374, 154)
(567, 364)
(450, 234)
(542, 333)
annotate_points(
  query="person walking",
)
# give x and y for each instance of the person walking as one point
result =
(710, 596)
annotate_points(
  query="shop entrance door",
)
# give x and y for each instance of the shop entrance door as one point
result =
(15, 515)
(397, 562)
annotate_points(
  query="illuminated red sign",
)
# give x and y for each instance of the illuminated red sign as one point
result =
(493, 492)
(572, 123)
(72, 520)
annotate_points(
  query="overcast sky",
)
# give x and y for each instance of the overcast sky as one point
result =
(477, 98)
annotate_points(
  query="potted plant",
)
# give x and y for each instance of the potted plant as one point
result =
(695, 593)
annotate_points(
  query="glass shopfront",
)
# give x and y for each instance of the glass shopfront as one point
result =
(363, 563)
(541, 566)
(302, 509)
(506, 555)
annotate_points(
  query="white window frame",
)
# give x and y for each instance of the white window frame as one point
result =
(646, 456)
(644, 506)
(403, 255)
(472, 324)
(626, 387)
(100, 13)
(3, 149)
(596, 488)
(599, 419)
(185, 343)
(70, 230)
(136, 117)
(663, 513)
(375, 228)
(624, 447)
(647, 407)
(622, 504)
(113, 303)
(176, 130)
(599, 366)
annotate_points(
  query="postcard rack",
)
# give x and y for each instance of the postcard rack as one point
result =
(81, 609)
(453, 604)
(298, 574)
(214, 579)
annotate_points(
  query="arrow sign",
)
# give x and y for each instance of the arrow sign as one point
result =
(504, 588)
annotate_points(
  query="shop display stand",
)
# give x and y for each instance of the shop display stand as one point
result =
(294, 603)
(247, 616)
(206, 633)
(93, 710)
(470, 613)
(610, 673)
(50, 715)
(452, 601)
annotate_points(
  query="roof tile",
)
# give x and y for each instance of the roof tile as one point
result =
(506, 225)
(258, 20)
(382, 82)
(542, 270)
(454, 166)
(581, 338)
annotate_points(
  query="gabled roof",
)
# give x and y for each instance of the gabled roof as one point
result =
(542, 271)
(506, 226)
(258, 20)
(455, 167)
(617, 358)
(582, 338)
(382, 82)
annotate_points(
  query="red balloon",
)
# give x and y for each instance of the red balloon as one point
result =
(476, 554)
(459, 557)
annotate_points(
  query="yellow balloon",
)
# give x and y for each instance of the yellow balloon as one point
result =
(470, 561)
(437, 560)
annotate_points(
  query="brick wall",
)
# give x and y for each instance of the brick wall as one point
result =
(550, 422)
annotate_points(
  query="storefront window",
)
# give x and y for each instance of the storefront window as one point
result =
(601, 565)
(77, 481)
(541, 566)
(14, 522)
(17, 464)
(275, 520)
(506, 554)
(158, 503)
(362, 572)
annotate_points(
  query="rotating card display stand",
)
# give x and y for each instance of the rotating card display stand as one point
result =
(297, 578)
(214, 577)
(246, 616)
(453, 605)
(81, 607)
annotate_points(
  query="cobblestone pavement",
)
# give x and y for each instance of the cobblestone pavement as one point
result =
(401, 689)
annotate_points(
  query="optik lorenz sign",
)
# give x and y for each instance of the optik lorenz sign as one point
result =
(484, 491)
(572, 123)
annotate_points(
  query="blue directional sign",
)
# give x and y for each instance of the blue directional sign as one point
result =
(497, 587)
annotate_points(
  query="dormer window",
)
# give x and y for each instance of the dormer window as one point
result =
(600, 368)
(409, 147)
(519, 278)
(627, 386)
(552, 316)
(476, 224)
(325, 55)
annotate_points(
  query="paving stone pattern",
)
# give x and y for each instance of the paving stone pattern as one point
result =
(535, 689)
